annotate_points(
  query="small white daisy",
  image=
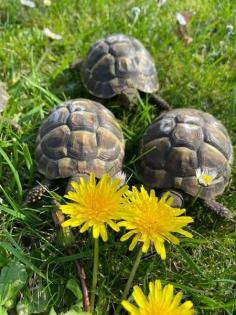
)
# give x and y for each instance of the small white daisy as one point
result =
(47, 2)
(135, 12)
(51, 35)
(160, 3)
(206, 176)
(181, 19)
(28, 3)
(229, 29)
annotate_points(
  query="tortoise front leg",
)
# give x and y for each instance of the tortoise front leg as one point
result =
(58, 216)
(219, 209)
(178, 197)
(77, 64)
(7, 121)
(37, 191)
(160, 102)
(76, 178)
(128, 98)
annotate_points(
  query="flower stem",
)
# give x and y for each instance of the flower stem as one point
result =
(131, 278)
(95, 272)
(197, 195)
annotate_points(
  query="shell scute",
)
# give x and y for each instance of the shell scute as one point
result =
(189, 117)
(83, 145)
(54, 143)
(57, 118)
(67, 167)
(154, 153)
(182, 161)
(160, 128)
(96, 52)
(212, 158)
(218, 139)
(104, 70)
(121, 49)
(80, 120)
(194, 138)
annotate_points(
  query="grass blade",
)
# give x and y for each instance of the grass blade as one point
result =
(189, 260)
(14, 171)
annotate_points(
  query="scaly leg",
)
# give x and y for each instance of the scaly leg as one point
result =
(37, 191)
(219, 209)
(160, 102)
(128, 98)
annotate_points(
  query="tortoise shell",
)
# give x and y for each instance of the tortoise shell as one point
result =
(179, 142)
(79, 136)
(3, 96)
(116, 63)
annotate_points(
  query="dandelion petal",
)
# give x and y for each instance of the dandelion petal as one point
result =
(159, 301)
(151, 220)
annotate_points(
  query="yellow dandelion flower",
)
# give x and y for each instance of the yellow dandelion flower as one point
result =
(95, 205)
(152, 220)
(160, 301)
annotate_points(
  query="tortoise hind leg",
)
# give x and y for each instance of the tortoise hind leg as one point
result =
(219, 209)
(160, 102)
(37, 191)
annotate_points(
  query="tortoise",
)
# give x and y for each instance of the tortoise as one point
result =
(78, 137)
(178, 144)
(120, 65)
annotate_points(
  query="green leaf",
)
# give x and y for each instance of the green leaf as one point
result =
(14, 171)
(3, 311)
(22, 309)
(3, 259)
(52, 311)
(19, 254)
(13, 277)
(73, 286)
(189, 261)
(37, 300)
(14, 213)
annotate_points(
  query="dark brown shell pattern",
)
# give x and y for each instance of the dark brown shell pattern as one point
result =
(179, 142)
(115, 63)
(79, 136)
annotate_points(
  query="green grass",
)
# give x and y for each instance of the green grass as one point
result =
(200, 75)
